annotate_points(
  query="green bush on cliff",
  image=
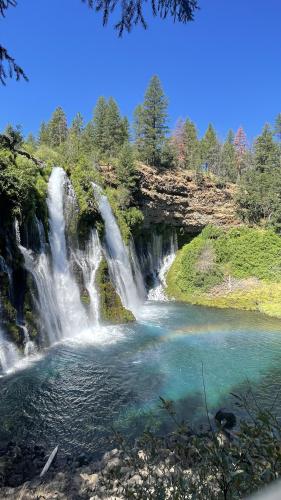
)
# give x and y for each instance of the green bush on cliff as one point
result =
(22, 186)
(215, 255)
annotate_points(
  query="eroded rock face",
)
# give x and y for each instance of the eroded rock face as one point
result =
(175, 197)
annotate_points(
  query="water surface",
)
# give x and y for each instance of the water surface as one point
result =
(112, 377)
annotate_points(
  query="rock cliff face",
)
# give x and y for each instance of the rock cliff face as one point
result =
(175, 198)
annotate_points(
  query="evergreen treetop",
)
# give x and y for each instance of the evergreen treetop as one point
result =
(151, 125)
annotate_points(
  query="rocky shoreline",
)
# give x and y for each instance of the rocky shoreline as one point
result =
(119, 475)
(152, 466)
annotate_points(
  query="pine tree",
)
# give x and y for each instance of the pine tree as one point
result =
(266, 151)
(115, 129)
(125, 168)
(192, 146)
(100, 135)
(228, 159)
(138, 126)
(88, 138)
(179, 143)
(125, 129)
(230, 137)
(186, 145)
(43, 137)
(151, 124)
(77, 125)
(57, 128)
(210, 150)
(240, 144)
(74, 138)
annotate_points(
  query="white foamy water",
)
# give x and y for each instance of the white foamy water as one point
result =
(88, 261)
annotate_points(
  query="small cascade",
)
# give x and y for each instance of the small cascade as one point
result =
(40, 268)
(118, 258)
(138, 277)
(9, 354)
(88, 261)
(29, 346)
(160, 259)
(72, 315)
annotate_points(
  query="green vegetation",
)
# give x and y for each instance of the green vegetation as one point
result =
(215, 464)
(239, 268)
(22, 187)
(150, 123)
(111, 308)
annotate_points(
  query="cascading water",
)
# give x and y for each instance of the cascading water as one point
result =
(72, 315)
(29, 346)
(58, 303)
(9, 355)
(159, 260)
(39, 267)
(89, 261)
(118, 258)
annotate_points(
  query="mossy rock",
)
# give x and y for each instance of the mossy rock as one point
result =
(111, 308)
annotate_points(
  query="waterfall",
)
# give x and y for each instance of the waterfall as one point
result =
(58, 298)
(117, 255)
(71, 313)
(29, 346)
(89, 261)
(9, 355)
(158, 261)
(45, 301)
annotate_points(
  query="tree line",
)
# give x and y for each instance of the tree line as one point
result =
(109, 138)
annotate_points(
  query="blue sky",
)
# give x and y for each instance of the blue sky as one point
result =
(223, 68)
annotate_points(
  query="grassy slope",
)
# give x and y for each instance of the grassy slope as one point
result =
(214, 257)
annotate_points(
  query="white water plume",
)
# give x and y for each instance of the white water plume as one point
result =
(160, 261)
(29, 346)
(45, 300)
(72, 315)
(117, 254)
(9, 354)
(88, 261)
(58, 298)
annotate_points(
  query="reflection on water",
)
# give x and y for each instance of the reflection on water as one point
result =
(113, 376)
